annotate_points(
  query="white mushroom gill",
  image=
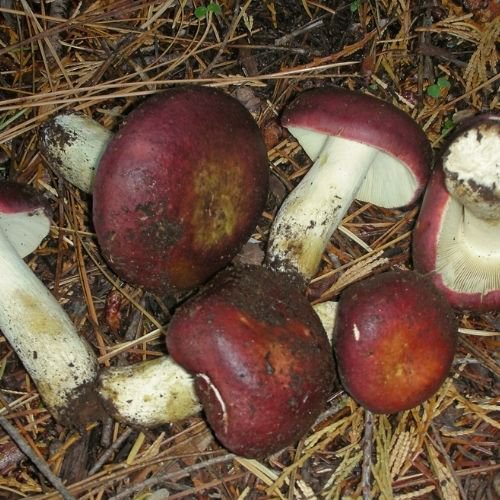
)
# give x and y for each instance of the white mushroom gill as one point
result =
(388, 183)
(469, 251)
(25, 233)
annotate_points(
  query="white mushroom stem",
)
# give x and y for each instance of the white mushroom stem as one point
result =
(149, 393)
(315, 208)
(152, 393)
(60, 362)
(482, 236)
(73, 144)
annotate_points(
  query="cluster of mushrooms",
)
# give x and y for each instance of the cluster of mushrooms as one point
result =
(178, 190)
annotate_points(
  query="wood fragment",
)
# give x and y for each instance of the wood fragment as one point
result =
(39, 463)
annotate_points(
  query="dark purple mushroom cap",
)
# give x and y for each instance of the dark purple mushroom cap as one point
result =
(180, 188)
(24, 216)
(395, 337)
(399, 173)
(457, 236)
(262, 362)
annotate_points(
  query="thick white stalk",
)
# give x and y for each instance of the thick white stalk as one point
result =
(481, 235)
(315, 208)
(149, 393)
(152, 393)
(73, 145)
(60, 362)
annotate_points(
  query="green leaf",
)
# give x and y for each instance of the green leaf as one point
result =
(354, 6)
(443, 83)
(433, 91)
(200, 12)
(214, 8)
(447, 125)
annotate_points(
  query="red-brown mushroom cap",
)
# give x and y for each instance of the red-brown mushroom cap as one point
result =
(179, 188)
(457, 236)
(262, 362)
(395, 338)
(405, 153)
(24, 216)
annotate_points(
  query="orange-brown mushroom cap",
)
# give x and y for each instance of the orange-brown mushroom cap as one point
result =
(395, 338)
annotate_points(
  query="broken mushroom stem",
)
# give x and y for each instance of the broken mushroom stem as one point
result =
(472, 176)
(60, 362)
(72, 145)
(149, 393)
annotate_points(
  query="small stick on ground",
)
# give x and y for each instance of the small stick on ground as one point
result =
(366, 468)
(114, 447)
(229, 34)
(171, 476)
(38, 462)
(440, 446)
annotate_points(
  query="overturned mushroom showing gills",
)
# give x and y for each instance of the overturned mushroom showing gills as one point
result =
(457, 236)
(261, 361)
(72, 144)
(395, 337)
(180, 188)
(362, 148)
(59, 361)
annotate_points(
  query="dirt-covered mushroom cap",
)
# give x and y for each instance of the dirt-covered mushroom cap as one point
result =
(363, 148)
(395, 338)
(24, 216)
(179, 188)
(262, 362)
(457, 235)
